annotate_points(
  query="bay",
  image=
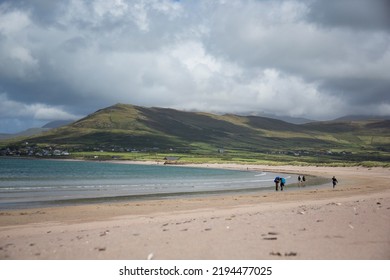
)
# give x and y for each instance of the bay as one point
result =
(34, 183)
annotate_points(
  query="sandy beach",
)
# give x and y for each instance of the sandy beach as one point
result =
(351, 221)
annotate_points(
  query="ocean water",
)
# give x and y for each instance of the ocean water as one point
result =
(35, 183)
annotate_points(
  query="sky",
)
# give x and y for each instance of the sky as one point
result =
(304, 58)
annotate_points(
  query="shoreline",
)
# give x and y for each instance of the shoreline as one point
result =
(292, 184)
(351, 221)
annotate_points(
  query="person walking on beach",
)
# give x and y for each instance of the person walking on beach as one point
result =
(282, 183)
(334, 181)
(277, 180)
(299, 180)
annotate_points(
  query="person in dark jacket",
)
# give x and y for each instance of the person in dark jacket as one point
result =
(334, 181)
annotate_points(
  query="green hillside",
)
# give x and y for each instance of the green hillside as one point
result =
(122, 129)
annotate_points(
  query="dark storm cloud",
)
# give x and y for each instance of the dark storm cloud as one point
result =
(360, 91)
(315, 59)
(355, 14)
(44, 12)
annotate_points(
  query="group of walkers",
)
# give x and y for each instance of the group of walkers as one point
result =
(279, 180)
(301, 181)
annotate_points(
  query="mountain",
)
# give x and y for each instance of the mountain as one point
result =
(58, 123)
(361, 118)
(139, 127)
(293, 120)
(35, 130)
(128, 127)
(24, 133)
(5, 136)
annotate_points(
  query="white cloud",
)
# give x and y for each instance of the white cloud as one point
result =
(115, 8)
(12, 21)
(44, 112)
(37, 111)
(224, 56)
(23, 55)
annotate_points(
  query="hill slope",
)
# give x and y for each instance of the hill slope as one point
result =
(140, 127)
(130, 127)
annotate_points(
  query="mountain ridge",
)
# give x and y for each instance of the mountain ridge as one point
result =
(136, 128)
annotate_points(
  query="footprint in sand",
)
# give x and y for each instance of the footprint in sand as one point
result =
(230, 218)
(271, 235)
(100, 249)
(104, 233)
(289, 254)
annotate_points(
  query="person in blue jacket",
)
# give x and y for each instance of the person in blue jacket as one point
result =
(282, 183)
(277, 180)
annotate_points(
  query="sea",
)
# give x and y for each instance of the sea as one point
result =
(28, 183)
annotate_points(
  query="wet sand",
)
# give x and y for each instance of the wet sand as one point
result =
(351, 221)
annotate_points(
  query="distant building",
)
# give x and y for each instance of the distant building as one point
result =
(171, 160)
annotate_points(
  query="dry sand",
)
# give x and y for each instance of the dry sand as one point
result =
(351, 221)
